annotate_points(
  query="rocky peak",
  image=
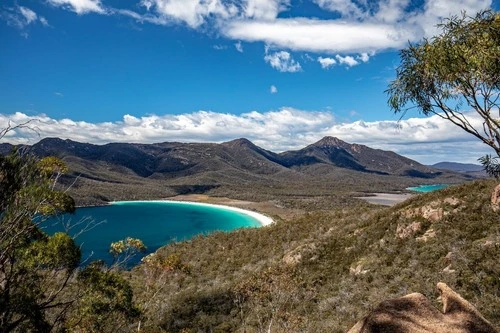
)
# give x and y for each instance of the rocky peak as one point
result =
(240, 143)
(330, 141)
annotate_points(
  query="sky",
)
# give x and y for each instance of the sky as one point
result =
(281, 73)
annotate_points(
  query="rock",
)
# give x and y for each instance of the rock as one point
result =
(495, 198)
(407, 231)
(295, 256)
(414, 313)
(434, 211)
(448, 270)
(358, 270)
(430, 233)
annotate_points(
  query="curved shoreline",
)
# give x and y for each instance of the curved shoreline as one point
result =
(262, 219)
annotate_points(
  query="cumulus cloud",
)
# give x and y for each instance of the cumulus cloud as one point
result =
(364, 57)
(264, 9)
(79, 6)
(347, 60)
(326, 62)
(283, 62)
(273, 89)
(428, 140)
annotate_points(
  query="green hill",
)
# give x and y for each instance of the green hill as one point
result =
(324, 270)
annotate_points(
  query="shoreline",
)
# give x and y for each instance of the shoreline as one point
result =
(262, 219)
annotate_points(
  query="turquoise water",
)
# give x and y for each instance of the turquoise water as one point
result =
(427, 188)
(155, 223)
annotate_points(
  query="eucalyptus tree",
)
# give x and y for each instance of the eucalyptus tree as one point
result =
(456, 76)
(42, 286)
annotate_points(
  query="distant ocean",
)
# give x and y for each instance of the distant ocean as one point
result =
(155, 223)
(427, 188)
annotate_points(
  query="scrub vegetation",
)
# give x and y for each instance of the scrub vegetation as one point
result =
(325, 270)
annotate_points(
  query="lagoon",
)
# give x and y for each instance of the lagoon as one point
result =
(427, 188)
(156, 223)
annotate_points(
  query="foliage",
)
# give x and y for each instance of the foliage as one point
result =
(123, 250)
(106, 301)
(454, 73)
(42, 287)
(34, 267)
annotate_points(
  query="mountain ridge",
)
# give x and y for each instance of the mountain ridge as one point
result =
(148, 159)
(120, 171)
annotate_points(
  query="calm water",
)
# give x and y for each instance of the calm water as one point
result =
(427, 188)
(155, 223)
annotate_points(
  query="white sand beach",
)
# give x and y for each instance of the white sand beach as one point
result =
(262, 219)
(386, 199)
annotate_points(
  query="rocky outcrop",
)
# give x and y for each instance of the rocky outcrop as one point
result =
(435, 210)
(495, 199)
(414, 313)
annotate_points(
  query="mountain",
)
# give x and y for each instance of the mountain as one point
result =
(458, 167)
(181, 159)
(235, 168)
(334, 151)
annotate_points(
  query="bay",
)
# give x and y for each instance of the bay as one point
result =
(156, 223)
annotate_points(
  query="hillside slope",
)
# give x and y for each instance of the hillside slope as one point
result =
(324, 271)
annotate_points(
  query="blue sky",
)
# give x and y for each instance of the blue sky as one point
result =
(282, 73)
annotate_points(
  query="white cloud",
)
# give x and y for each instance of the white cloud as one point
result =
(191, 12)
(391, 11)
(21, 18)
(344, 7)
(264, 9)
(363, 27)
(283, 62)
(364, 57)
(347, 60)
(429, 140)
(325, 36)
(220, 47)
(358, 27)
(238, 47)
(273, 89)
(29, 15)
(80, 6)
(44, 21)
(326, 62)
(59, 94)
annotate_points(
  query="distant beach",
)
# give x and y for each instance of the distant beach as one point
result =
(386, 199)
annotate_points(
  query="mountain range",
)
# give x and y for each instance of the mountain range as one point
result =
(170, 168)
